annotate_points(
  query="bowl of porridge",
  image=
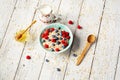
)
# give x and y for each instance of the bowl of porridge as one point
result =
(56, 38)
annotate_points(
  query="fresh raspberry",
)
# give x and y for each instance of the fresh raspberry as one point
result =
(53, 40)
(46, 46)
(70, 22)
(63, 32)
(28, 57)
(57, 49)
(52, 29)
(43, 35)
(68, 37)
(46, 37)
(66, 33)
(79, 27)
(46, 32)
(65, 44)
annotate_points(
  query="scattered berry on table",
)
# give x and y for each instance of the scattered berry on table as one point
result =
(79, 27)
(70, 22)
(58, 69)
(75, 55)
(28, 57)
(47, 60)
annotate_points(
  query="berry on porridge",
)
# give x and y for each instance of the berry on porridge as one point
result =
(55, 39)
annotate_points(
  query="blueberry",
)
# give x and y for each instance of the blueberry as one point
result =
(56, 38)
(47, 60)
(60, 38)
(56, 30)
(75, 55)
(52, 49)
(65, 39)
(63, 47)
(59, 28)
(58, 69)
(53, 36)
(53, 44)
(49, 40)
(58, 34)
(57, 42)
(43, 40)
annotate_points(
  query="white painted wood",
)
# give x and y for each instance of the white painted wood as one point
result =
(117, 73)
(106, 54)
(105, 65)
(69, 9)
(6, 10)
(11, 50)
(32, 68)
(89, 19)
(117, 23)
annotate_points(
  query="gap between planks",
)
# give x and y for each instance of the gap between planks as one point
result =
(25, 43)
(73, 37)
(45, 52)
(97, 37)
(117, 63)
(8, 23)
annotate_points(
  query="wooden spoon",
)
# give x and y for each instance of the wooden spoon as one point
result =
(91, 39)
(17, 37)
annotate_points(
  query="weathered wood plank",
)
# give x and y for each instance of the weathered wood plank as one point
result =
(6, 11)
(31, 69)
(10, 52)
(89, 19)
(117, 72)
(106, 53)
(69, 9)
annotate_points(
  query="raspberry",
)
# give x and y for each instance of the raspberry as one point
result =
(52, 29)
(46, 37)
(63, 32)
(79, 27)
(28, 57)
(43, 35)
(66, 33)
(68, 37)
(65, 44)
(70, 22)
(46, 46)
(57, 49)
(53, 40)
(46, 32)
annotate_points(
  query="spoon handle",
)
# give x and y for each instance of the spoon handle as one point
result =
(82, 55)
(33, 22)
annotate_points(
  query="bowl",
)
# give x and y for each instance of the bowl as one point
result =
(56, 25)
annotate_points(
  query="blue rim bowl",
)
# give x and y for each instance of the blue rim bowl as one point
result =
(63, 27)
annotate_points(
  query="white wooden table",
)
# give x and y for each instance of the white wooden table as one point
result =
(98, 17)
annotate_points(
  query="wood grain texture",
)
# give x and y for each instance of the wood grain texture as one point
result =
(106, 53)
(6, 12)
(69, 10)
(10, 52)
(31, 69)
(89, 19)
